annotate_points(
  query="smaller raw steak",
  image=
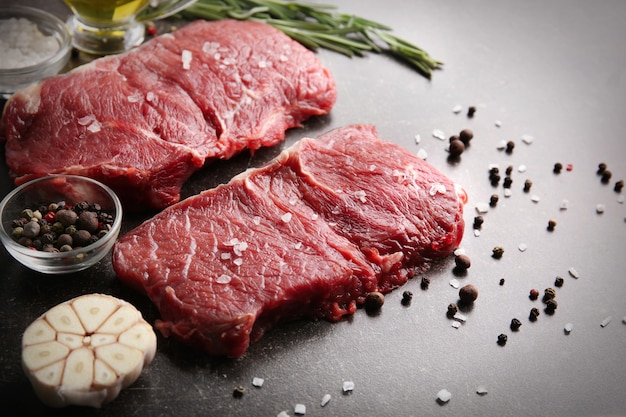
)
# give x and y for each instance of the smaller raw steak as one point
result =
(142, 122)
(308, 235)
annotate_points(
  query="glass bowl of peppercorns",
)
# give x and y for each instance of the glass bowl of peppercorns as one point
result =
(60, 224)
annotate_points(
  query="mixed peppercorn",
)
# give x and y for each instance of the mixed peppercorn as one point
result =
(61, 227)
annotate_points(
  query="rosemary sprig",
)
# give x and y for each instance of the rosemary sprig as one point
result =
(319, 26)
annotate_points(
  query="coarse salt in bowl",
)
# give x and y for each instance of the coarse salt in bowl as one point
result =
(70, 189)
(33, 45)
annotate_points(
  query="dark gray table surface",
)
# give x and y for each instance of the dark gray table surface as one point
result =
(553, 70)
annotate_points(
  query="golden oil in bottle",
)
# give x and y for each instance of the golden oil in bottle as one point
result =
(106, 12)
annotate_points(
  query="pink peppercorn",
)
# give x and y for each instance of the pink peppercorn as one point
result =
(50, 217)
(534, 294)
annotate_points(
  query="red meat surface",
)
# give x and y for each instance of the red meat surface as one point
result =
(144, 121)
(308, 235)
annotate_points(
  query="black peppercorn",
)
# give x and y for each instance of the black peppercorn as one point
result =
(453, 138)
(601, 168)
(510, 145)
(551, 225)
(515, 325)
(557, 168)
(551, 305)
(502, 338)
(509, 170)
(374, 301)
(527, 185)
(534, 314)
(425, 283)
(452, 310)
(619, 185)
(493, 200)
(606, 177)
(558, 282)
(407, 296)
(497, 252)
(549, 294)
(501, 281)
(470, 111)
(478, 222)
(507, 182)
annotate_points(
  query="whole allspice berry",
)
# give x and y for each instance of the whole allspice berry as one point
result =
(462, 262)
(468, 294)
(465, 136)
(456, 148)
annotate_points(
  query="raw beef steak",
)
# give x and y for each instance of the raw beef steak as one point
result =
(144, 121)
(308, 235)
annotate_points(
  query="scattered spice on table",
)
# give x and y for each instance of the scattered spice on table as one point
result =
(534, 314)
(238, 392)
(452, 309)
(515, 324)
(551, 306)
(374, 301)
(468, 294)
(497, 252)
(407, 296)
(551, 225)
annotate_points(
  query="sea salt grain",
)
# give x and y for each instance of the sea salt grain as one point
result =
(257, 382)
(348, 386)
(457, 109)
(300, 409)
(186, 57)
(422, 154)
(444, 396)
(606, 321)
(325, 400)
(23, 45)
(481, 390)
(568, 328)
(439, 134)
(573, 272)
(527, 139)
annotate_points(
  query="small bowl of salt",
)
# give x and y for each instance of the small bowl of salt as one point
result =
(33, 45)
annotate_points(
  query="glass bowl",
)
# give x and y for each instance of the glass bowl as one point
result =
(56, 189)
(57, 34)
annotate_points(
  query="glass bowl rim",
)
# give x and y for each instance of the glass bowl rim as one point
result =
(112, 234)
